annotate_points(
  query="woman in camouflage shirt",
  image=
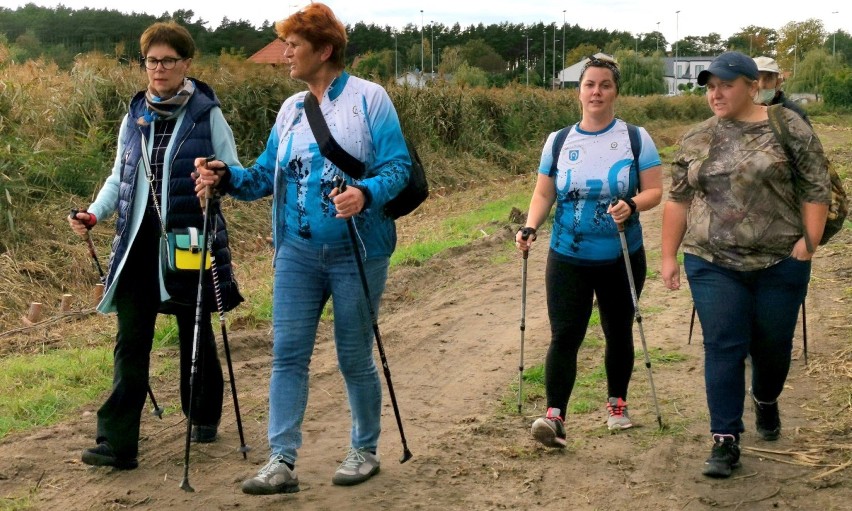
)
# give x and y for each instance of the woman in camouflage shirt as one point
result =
(742, 210)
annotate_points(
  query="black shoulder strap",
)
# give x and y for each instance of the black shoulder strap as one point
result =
(778, 125)
(635, 143)
(327, 145)
(636, 147)
(558, 141)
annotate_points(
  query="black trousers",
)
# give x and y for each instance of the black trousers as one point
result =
(137, 300)
(570, 291)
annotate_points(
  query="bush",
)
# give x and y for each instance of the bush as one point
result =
(837, 89)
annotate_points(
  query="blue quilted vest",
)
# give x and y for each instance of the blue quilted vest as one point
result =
(192, 139)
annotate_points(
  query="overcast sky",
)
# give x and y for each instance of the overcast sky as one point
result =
(695, 18)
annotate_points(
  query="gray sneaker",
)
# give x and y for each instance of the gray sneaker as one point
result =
(618, 417)
(359, 465)
(549, 430)
(274, 477)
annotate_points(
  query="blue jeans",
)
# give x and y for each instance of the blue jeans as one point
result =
(745, 313)
(306, 275)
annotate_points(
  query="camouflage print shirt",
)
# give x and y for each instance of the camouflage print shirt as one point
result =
(743, 193)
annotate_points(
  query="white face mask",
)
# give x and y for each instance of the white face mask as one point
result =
(764, 96)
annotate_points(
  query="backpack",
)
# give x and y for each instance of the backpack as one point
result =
(839, 207)
(632, 133)
(414, 193)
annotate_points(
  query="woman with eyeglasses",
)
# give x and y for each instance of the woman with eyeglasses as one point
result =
(583, 168)
(173, 121)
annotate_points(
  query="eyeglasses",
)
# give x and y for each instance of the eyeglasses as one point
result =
(167, 62)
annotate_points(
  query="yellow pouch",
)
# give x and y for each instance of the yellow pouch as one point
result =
(184, 250)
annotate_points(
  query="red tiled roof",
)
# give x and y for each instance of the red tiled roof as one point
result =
(272, 53)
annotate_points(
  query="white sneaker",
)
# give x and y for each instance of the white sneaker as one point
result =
(274, 477)
(359, 465)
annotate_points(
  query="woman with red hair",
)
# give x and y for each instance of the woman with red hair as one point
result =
(314, 257)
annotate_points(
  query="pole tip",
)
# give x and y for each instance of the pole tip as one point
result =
(406, 455)
(185, 486)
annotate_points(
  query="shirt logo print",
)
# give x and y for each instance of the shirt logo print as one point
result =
(574, 155)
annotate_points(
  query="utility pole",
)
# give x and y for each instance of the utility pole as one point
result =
(527, 37)
(544, 56)
(562, 65)
(796, 50)
(432, 44)
(834, 44)
(677, 37)
(658, 36)
(553, 72)
(422, 42)
(395, 57)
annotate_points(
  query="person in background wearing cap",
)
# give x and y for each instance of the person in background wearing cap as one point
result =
(769, 83)
(742, 221)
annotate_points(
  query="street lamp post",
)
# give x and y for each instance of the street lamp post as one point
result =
(638, 36)
(421, 43)
(677, 36)
(527, 37)
(432, 44)
(796, 50)
(395, 57)
(562, 65)
(553, 71)
(834, 44)
(544, 56)
(658, 36)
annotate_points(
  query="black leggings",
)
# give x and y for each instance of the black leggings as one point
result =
(570, 288)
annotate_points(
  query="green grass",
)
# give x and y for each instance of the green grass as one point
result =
(16, 503)
(42, 390)
(165, 331)
(588, 389)
(459, 230)
(657, 356)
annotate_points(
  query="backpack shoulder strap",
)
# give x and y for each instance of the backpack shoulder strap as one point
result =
(327, 145)
(779, 128)
(635, 143)
(636, 147)
(558, 142)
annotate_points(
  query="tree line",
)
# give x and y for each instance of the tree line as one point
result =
(494, 54)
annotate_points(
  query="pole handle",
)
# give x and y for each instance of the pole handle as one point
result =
(207, 194)
(620, 225)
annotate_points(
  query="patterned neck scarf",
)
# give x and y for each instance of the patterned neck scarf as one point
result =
(160, 108)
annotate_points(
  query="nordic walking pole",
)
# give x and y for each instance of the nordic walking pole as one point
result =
(199, 307)
(637, 314)
(221, 308)
(157, 410)
(350, 224)
(526, 232)
(691, 324)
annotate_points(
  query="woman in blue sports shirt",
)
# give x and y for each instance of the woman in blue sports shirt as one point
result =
(314, 257)
(594, 165)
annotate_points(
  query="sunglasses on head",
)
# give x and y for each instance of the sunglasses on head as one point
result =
(601, 62)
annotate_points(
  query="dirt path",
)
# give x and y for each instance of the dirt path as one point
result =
(451, 334)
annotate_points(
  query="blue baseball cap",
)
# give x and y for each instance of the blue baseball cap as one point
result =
(728, 66)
